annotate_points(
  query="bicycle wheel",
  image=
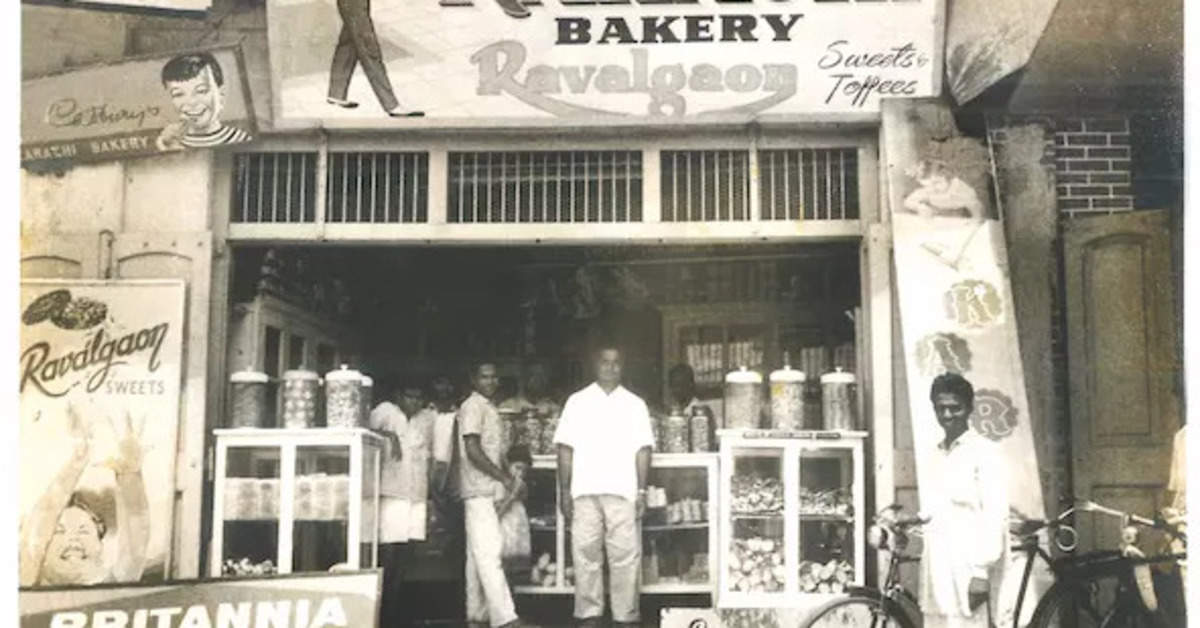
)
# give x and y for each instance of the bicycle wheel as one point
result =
(1090, 603)
(860, 612)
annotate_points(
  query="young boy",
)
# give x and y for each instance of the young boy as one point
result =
(196, 86)
(514, 520)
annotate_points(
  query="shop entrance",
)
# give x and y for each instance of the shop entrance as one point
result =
(405, 315)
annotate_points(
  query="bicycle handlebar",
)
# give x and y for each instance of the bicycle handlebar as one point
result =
(1129, 517)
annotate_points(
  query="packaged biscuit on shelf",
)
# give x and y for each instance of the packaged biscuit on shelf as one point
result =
(341, 496)
(304, 498)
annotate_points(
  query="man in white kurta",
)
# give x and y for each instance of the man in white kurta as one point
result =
(966, 539)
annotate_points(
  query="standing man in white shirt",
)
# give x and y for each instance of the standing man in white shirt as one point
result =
(390, 419)
(966, 539)
(489, 599)
(604, 442)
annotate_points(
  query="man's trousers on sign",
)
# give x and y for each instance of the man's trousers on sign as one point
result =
(358, 44)
(606, 525)
(488, 597)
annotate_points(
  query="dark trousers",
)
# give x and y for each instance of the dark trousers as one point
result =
(394, 558)
(358, 44)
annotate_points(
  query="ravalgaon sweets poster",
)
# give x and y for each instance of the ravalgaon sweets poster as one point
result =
(99, 390)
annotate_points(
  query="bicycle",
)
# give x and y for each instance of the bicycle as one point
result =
(1102, 588)
(890, 606)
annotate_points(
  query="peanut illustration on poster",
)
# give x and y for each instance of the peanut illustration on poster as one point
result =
(99, 409)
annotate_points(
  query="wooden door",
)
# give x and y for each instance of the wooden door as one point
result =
(186, 256)
(1124, 363)
(61, 256)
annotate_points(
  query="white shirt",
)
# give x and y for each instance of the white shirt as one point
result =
(967, 535)
(605, 432)
(388, 417)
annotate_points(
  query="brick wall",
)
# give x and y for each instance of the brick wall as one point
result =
(1092, 163)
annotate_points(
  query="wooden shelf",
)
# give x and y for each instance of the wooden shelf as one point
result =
(821, 517)
(697, 525)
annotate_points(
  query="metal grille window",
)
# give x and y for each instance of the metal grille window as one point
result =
(809, 184)
(545, 187)
(274, 187)
(705, 185)
(377, 187)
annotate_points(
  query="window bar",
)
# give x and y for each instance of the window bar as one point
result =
(558, 185)
(802, 210)
(245, 162)
(420, 173)
(575, 199)
(716, 207)
(303, 217)
(586, 179)
(260, 188)
(358, 187)
(627, 214)
(842, 182)
(288, 214)
(498, 213)
(544, 171)
(687, 178)
(515, 179)
(274, 187)
(387, 186)
(479, 197)
(600, 185)
(729, 187)
(408, 187)
(458, 166)
(345, 161)
(374, 185)
(704, 213)
(828, 160)
(815, 187)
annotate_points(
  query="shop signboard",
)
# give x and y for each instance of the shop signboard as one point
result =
(956, 304)
(99, 392)
(168, 5)
(485, 62)
(334, 600)
(134, 108)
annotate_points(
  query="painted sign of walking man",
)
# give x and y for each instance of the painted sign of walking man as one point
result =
(357, 44)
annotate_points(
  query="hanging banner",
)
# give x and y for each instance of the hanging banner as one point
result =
(99, 386)
(986, 40)
(475, 61)
(149, 106)
(955, 297)
(296, 601)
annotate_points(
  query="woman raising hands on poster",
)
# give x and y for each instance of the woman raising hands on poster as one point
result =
(62, 537)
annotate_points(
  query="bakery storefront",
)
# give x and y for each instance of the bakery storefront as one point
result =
(698, 182)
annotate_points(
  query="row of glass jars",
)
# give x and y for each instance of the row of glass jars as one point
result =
(789, 395)
(346, 392)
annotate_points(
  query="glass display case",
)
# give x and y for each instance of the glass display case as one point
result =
(294, 500)
(792, 528)
(678, 528)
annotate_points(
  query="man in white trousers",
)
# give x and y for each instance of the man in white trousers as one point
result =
(489, 600)
(604, 442)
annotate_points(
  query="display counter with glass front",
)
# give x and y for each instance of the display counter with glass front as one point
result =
(294, 500)
(792, 530)
(678, 528)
